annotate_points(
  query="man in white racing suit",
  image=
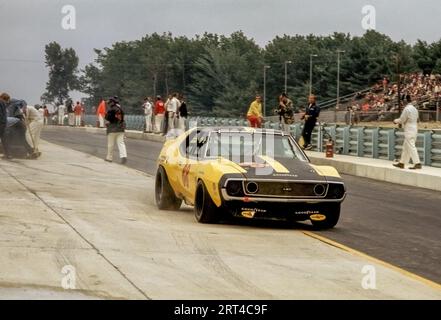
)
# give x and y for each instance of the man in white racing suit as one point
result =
(409, 121)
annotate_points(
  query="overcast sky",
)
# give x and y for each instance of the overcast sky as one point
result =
(27, 25)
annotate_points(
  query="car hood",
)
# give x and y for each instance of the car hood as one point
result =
(265, 167)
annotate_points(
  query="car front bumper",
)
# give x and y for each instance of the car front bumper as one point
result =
(297, 211)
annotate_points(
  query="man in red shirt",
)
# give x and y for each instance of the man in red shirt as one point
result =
(78, 112)
(46, 115)
(101, 113)
(159, 114)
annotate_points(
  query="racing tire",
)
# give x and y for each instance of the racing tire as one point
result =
(164, 194)
(205, 210)
(332, 214)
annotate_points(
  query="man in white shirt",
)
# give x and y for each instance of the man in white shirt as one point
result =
(35, 122)
(61, 113)
(409, 121)
(172, 109)
(148, 110)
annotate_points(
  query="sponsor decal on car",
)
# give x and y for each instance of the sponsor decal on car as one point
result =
(248, 214)
(254, 209)
(308, 212)
(185, 173)
(317, 217)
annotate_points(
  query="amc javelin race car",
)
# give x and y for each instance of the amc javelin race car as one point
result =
(249, 173)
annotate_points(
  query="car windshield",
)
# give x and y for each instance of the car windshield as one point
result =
(233, 145)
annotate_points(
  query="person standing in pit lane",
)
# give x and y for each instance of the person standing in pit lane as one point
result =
(254, 114)
(148, 111)
(159, 114)
(35, 122)
(311, 115)
(4, 100)
(115, 130)
(409, 121)
(101, 113)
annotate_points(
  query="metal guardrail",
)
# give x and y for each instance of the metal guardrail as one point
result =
(360, 141)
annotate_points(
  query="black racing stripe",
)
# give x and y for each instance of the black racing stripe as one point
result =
(298, 170)
(302, 169)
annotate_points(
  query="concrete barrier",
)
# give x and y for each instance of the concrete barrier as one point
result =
(132, 134)
(382, 170)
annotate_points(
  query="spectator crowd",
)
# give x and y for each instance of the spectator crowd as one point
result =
(381, 101)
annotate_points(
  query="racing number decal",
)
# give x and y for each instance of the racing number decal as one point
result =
(185, 172)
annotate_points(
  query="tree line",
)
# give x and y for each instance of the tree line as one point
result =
(219, 75)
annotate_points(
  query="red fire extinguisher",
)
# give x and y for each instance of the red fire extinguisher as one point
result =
(329, 148)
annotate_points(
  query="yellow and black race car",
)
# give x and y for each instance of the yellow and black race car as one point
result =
(244, 172)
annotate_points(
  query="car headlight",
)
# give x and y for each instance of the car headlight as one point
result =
(234, 188)
(319, 190)
(336, 191)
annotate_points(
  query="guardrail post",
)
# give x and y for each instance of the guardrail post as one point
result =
(360, 147)
(428, 148)
(346, 136)
(333, 132)
(320, 138)
(375, 133)
(140, 124)
(391, 144)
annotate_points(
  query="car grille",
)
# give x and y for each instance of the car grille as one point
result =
(289, 189)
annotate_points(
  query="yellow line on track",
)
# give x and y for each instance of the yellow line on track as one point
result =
(411, 275)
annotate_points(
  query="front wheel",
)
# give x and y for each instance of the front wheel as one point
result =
(205, 210)
(164, 194)
(331, 214)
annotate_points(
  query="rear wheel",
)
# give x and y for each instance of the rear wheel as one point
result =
(332, 214)
(164, 194)
(204, 208)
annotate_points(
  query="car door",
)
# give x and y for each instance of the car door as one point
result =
(186, 163)
(196, 167)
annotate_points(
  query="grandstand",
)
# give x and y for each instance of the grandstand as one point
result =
(380, 102)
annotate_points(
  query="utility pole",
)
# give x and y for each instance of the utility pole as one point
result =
(286, 76)
(310, 72)
(265, 67)
(338, 85)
